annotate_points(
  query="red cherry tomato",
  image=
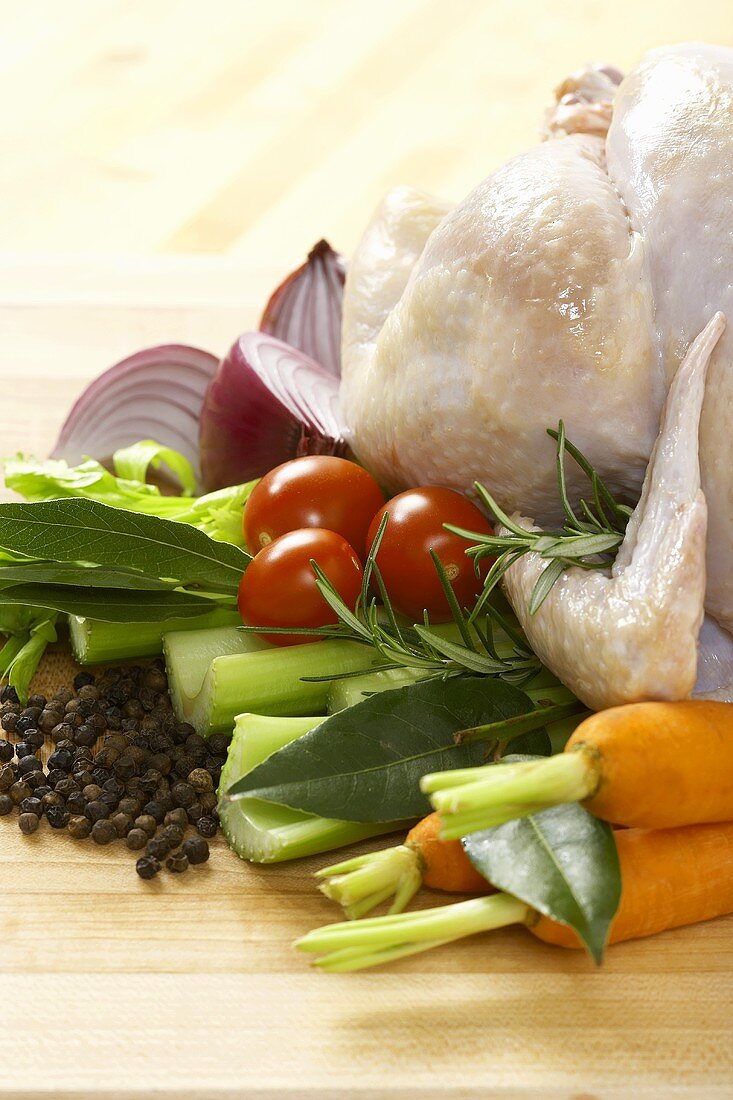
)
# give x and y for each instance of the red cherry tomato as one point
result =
(314, 491)
(414, 527)
(279, 586)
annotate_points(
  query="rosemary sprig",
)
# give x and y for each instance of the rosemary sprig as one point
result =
(401, 645)
(588, 540)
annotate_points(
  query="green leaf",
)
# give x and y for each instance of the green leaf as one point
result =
(563, 862)
(133, 463)
(365, 763)
(83, 576)
(111, 605)
(76, 529)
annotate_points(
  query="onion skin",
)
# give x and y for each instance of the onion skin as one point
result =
(157, 393)
(267, 403)
(305, 310)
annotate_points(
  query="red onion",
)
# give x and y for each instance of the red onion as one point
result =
(267, 403)
(305, 311)
(155, 394)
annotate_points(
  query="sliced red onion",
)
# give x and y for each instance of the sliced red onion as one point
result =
(267, 403)
(155, 394)
(305, 311)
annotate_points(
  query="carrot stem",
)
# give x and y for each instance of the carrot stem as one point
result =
(362, 883)
(472, 799)
(348, 946)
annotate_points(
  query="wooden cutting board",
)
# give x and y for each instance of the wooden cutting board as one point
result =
(187, 987)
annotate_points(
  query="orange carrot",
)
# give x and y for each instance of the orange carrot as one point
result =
(362, 883)
(647, 765)
(671, 877)
(443, 863)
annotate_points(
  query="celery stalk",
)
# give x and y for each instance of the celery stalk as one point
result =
(265, 832)
(215, 675)
(95, 642)
(355, 689)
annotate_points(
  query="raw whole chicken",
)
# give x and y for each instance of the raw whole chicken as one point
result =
(570, 285)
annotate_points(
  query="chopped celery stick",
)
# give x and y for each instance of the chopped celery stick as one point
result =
(95, 642)
(210, 686)
(265, 832)
(189, 659)
(355, 689)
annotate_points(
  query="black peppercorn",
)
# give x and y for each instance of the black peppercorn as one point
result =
(97, 810)
(177, 863)
(57, 817)
(219, 743)
(37, 700)
(197, 849)
(88, 692)
(8, 694)
(125, 767)
(6, 805)
(35, 779)
(173, 834)
(28, 823)
(155, 810)
(103, 832)
(9, 722)
(177, 817)
(29, 764)
(161, 763)
(62, 696)
(79, 827)
(83, 777)
(82, 679)
(209, 801)
(7, 751)
(122, 823)
(19, 791)
(61, 759)
(100, 775)
(147, 867)
(66, 786)
(31, 805)
(24, 723)
(155, 679)
(85, 736)
(106, 757)
(158, 847)
(201, 781)
(35, 739)
(183, 795)
(136, 839)
(147, 823)
(40, 790)
(129, 806)
(55, 776)
(92, 792)
(52, 799)
(206, 826)
(48, 720)
(7, 776)
(195, 811)
(75, 802)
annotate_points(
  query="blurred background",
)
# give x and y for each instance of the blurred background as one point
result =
(254, 127)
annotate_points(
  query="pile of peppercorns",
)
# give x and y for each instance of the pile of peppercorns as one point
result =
(151, 779)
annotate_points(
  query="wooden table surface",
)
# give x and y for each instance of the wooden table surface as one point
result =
(257, 126)
(188, 988)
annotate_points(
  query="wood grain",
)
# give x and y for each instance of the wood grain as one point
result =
(238, 125)
(188, 987)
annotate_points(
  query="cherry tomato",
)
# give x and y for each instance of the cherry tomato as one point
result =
(279, 586)
(314, 491)
(414, 527)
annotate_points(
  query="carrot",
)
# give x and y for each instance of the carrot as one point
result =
(362, 883)
(647, 765)
(671, 878)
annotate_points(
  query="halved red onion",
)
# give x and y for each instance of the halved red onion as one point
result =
(305, 310)
(267, 403)
(155, 394)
